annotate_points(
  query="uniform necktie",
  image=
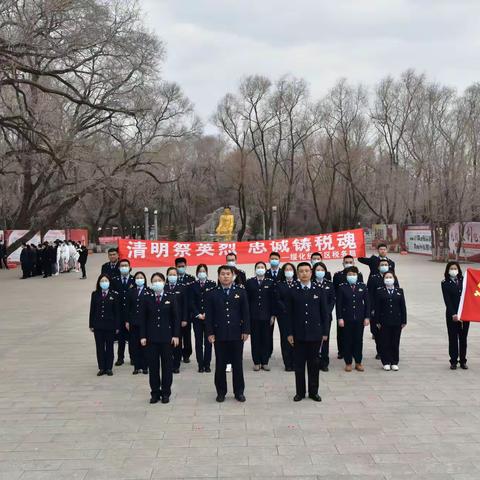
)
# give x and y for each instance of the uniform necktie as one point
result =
(274, 274)
(104, 294)
(158, 298)
(353, 288)
(305, 287)
(125, 281)
(226, 290)
(139, 291)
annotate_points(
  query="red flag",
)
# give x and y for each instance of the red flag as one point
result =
(469, 309)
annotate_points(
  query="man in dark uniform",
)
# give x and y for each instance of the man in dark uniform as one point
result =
(375, 281)
(373, 262)
(308, 327)
(339, 278)
(274, 273)
(111, 268)
(228, 328)
(184, 278)
(353, 314)
(122, 285)
(240, 276)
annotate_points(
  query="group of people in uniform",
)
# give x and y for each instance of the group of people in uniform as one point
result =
(154, 317)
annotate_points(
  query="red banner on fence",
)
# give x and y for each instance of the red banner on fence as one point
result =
(333, 246)
(469, 309)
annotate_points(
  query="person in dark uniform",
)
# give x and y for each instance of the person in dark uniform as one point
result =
(308, 327)
(274, 273)
(375, 281)
(316, 257)
(452, 286)
(260, 292)
(339, 278)
(136, 301)
(3, 255)
(104, 322)
(39, 259)
(110, 268)
(186, 279)
(391, 318)
(82, 260)
(353, 312)
(173, 287)
(228, 328)
(240, 275)
(25, 261)
(48, 259)
(280, 311)
(123, 284)
(373, 262)
(198, 304)
(159, 333)
(320, 278)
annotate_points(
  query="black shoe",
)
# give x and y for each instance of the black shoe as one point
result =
(315, 397)
(119, 362)
(377, 356)
(339, 356)
(220, 398)
(298, 398)
(464, 366)
(240, 398)
(186, 360)
(135, 372)
(324, 368)
(176, 370)
(201, 369)
(100, 373)
(165, 399)
(453, 367)
(145, 371)
(208, 370)
(109, 373)
(154, 399)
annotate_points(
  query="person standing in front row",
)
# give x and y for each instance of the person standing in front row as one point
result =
(260, 291)
(228, 328)
(452, 287)
(159, 334)
(198, 304)
(136, 311)
(104, 322)
(308, 326)
(391, 318)
(353, 312)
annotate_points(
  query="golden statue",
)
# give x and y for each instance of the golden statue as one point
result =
(226, 224)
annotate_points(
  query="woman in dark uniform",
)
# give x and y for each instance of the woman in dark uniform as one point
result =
(280, 312)
(104, 322)
(198, 304)
(452, 286)
(320, 276)
(391, 318)
(136, 312)
(160, 332)
(260, 292)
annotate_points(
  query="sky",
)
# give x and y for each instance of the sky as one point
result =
(212, 44)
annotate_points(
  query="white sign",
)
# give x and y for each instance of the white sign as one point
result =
(53, 235)
(15, 235)
(418, 241)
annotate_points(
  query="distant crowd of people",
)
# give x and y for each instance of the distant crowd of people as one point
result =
(52, 258)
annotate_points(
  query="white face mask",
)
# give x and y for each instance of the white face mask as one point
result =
(288, 274)
(158, 286)
(260, 272)
(453, 272)
(231, 263)
(389, 282)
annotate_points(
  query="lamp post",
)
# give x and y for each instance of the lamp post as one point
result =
(155, 224)
(274, 221)
(147, 229)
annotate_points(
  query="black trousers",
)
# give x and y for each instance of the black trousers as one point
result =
(123, 338)
(376, 334)
(47, 269)
(340, 341)
(325, 350)
(307, 353)
(389, 339)
(84, 270)
(186, 341)
(457, 341)
(160, 354)
(137, 352)
(261, 341)
(203, 348)
(352, 342)
(4, 261)
(287, 349)
(104, 345)
(270, 348)
(229, 352)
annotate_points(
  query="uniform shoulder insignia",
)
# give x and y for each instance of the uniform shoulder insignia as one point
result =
(240, 286)
(443, 281)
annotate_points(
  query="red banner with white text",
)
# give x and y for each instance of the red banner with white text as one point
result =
(332, 246)
(469, 308)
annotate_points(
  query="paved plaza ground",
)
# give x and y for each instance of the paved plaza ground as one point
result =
(59, 421)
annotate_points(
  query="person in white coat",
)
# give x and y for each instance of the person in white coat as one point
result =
(63, 256)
